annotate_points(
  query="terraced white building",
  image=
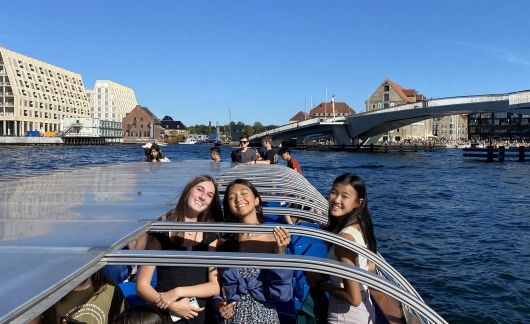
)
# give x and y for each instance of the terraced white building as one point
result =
(36, 96)
(111, 101)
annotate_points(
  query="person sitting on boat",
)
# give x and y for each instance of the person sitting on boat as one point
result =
(199, 202)
(235, 156)
(155, 154)
(270, 155)
(247, 155)
(251, 294)
(292, 163)
(259, 154)
(350, 218)
(93, 301)
(215, 154)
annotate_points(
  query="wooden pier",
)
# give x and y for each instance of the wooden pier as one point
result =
(500, 154)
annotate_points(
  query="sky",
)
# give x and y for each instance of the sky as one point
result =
(252, 61)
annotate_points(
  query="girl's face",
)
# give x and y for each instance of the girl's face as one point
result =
(343, 198)
(201, 196)
(154, 153)
(241, 200)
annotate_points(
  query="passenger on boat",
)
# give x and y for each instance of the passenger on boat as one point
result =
(250, 295)
(215, 154)
(350, 218)
(93, 301)
(292, 163)
(235, 156)
(270, 155)
(155, 154)
(259, 154)
(247, 155)
(199, 202)
(141, 314)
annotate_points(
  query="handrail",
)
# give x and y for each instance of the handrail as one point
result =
(296, 230)
(270, 261)
(300, 213)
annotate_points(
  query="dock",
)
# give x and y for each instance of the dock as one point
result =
(499, 154)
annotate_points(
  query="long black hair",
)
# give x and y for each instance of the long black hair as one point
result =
(229, 217)
(359, 215)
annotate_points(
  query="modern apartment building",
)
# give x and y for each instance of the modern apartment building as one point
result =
(111, 101)
(36, 96)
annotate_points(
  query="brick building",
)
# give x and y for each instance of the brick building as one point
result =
(141, 125)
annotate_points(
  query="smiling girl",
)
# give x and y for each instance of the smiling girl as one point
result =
(199, 202)
(350, 218)
(251, 294)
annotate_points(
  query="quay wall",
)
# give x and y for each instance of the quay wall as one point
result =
(45, 140)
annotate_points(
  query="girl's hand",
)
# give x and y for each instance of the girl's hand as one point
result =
(184, 309)
(226, 310)
(166, 298)
(283, 238)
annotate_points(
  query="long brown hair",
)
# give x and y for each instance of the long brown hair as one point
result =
(213, 213)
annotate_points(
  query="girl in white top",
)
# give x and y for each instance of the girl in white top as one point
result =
(350, 218)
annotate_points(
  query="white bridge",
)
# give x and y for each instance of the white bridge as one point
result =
(372, 124)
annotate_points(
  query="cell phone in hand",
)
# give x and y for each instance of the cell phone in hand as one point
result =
(193, 301)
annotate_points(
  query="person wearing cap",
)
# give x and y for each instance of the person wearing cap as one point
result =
(292, 163)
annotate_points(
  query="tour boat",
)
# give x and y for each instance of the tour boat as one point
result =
(57, 229)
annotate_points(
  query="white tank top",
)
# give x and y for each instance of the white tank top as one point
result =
(360, 261)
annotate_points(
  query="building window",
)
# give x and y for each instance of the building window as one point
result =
(387, 87)
(386, 97)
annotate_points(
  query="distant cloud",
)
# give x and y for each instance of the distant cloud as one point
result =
(500, 53)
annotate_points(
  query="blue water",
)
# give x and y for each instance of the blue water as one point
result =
(458, 230)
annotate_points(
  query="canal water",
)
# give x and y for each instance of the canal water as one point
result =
(458, 230)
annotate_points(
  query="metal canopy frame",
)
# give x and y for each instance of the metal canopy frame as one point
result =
(73, 222)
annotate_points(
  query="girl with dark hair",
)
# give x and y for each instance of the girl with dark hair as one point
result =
(350, 218)
(199, 202)
(155, 154)
(250, 295)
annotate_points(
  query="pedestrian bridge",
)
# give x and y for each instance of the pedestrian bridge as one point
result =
(369, 125)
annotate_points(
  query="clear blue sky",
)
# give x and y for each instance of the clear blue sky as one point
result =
(193, 60)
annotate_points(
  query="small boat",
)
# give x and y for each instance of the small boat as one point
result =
(53, 239)
(190, 140)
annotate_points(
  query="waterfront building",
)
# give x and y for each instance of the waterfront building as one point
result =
(390, 94)
(173, 130)
(141, 125)
(325, 110)
(451, 128)
(111, 101)
(112, 131)
(300, 116)
(36, 96)
(500, 126)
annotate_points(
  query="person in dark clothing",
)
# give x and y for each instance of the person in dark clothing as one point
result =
(199, 202)
(270, 155)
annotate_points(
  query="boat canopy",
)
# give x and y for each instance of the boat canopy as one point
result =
(57, 229)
